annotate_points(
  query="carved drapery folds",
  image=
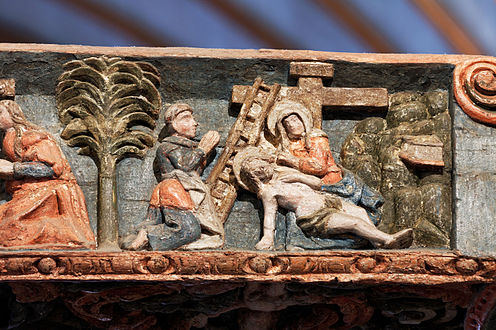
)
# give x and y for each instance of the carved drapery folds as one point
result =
(7, 89)
(475, 89)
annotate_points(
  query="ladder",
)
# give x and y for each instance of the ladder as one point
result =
(245, 132)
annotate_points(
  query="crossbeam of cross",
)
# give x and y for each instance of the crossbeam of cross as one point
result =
(311, 92)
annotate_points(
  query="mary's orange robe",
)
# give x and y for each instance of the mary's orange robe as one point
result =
(46, 213)
(317, 159)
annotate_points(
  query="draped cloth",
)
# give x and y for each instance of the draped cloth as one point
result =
(46, 213)
(203, 206)
(180, 162)
(317, 158)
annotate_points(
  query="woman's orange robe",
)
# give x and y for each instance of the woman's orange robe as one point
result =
(317, 159)
(47, 213)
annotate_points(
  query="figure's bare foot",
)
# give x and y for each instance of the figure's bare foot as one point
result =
(140, 241)
(266, 243)
(400, 240)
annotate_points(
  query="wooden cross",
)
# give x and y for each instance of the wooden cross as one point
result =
(7, 89)
(311, 92)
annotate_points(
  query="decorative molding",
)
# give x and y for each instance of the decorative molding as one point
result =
(474, 85)
(368, 267)
(124, 304)
(479, 311)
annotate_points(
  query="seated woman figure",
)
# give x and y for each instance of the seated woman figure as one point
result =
(301, 145)
(318, 213)
(305, 148)
(47, 209)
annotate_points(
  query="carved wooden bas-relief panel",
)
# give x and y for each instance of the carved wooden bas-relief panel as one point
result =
(145, 187)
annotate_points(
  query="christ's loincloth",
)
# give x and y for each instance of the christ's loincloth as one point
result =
(315, 223)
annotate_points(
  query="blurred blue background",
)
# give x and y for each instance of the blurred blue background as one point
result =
(403, 26)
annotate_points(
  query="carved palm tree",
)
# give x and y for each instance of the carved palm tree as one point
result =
(109, 107)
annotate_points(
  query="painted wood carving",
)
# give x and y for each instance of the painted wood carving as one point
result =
(99, 101)
(274, 181)
(276, 150)
(47, 209)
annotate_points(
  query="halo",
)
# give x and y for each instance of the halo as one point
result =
(285, 108)
(247, 153)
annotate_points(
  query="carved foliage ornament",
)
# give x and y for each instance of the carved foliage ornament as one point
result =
(475, 89)
(105, 103)
(343, 266)
(100, 99)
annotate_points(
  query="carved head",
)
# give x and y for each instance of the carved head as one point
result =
(255, 172)
(252, 167)
(179, 120)
(11, 116)
(289, 119)
(294, 126)
(13, 111)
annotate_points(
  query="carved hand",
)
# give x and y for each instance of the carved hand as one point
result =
(209, 141)
(6, 168)
(287, 159)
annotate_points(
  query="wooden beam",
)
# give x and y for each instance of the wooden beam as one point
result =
(311, 93)
(126, 25)
(258, 29)
(350, 17)
(444, 22)
(311, 69)
(257, 54)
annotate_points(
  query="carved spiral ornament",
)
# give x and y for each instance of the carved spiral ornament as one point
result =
(475, 89)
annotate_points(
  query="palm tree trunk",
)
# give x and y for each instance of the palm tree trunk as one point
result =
(108, 225)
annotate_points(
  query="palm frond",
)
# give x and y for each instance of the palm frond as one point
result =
(150, 72)
(74, 128)
(123, 78)
(86, 74)
(126, 67)
(140, 101)
(128, 150)
(143, 89)
(97, 63)
(87, 142)
(138, 139)
(74, 88)
(101, 99)
(80, 106)
(135, 119)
